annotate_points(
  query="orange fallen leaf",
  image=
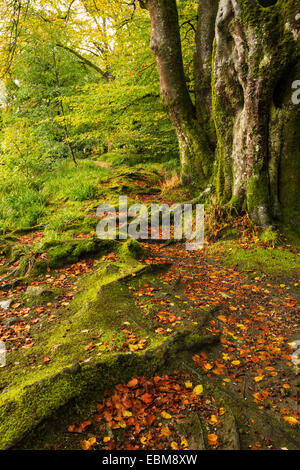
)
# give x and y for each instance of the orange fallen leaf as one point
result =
(212, 439)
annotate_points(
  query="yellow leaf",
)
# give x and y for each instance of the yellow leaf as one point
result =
(165, 415)
(188, 385)
(258, 378)
(184, 443)
(291, 420)
(106, 439)
(86, 445)
(198, 390)
(174, 445)
(213, 420)
(222, 318)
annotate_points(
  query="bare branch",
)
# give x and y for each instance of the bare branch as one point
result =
(85, 60)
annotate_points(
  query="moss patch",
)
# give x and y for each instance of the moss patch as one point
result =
(85, 347)
(274, 261)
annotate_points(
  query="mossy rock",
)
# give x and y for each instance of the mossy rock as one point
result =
(37, 295)
(66, 252)
(275, 262)
(132, 248)
(35, 390)
(85, 225)
(12, 251)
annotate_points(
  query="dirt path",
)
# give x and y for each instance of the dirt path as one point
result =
(239, 391)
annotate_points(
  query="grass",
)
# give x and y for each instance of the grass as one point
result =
(48, 198)
(75, 183)
(21, 207)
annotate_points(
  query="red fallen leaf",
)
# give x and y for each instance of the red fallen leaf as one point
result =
(85, 425)
(97, 418)
(137, 428)
(132, 383)
(146, 398)
(46, 359)
(90, 346)
(150, 419)
(69, 294)
(73, 428)
(111, 256)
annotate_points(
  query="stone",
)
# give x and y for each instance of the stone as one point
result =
(5, 304)
(37, 291)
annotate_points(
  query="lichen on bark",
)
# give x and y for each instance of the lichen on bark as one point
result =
(255, 47)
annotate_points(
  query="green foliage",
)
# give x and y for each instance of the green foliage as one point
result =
(27, 201)
(74, 183)
(56, 98)
(21, 206)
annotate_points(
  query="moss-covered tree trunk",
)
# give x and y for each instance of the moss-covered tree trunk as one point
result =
(255, 55)
(246, 57)
(194, 146)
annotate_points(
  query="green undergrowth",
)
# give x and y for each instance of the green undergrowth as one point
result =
(31, 200)
(128, 159)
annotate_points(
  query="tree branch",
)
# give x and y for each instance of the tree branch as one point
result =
(85, 60)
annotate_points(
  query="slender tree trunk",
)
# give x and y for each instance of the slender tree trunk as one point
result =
(62, 112)
(194, 145)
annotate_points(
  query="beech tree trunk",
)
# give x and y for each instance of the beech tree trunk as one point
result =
(242, 132)
(195, 151)
(256, 52)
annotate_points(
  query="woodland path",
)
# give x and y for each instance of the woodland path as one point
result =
(251, 388)
(240, 392)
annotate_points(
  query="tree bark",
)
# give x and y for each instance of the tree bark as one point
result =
(255, 47)
(247, 53)
(194, 145)
(204, 39)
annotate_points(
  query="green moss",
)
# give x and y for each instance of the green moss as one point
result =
(95, 314)
(269, 235)
(64, 252)
(35, 390)
(132, 249)
(257, 194)
(37, 296)
(269, 27)
(281, 262)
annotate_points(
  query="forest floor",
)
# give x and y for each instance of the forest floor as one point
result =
(165, 349)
